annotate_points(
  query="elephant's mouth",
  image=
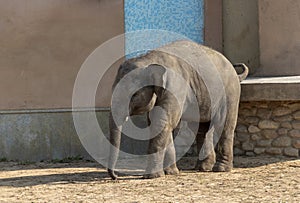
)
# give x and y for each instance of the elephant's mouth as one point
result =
(139, 111)
(142, 109)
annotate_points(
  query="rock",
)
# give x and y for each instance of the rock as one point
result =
(291, 152)
(240, 119)
(296, 125)
(269, 134)
(242, 137)
(238, 151)
(264, 143)
(236, 142)
(264, 105)
(283, 118)
(287, 125)
(248, 146)
(253, 129)
(259, 150)
(282, 142)
(294, 133)
(282, 131)
(296, 115)
(296, 144)
(294, 106)
(264, 113)
(281, 111)
(268, 124)
(241, 128)
(250, 154)
(246, 112)
(274, 151)
(252, 120)
(255, 137)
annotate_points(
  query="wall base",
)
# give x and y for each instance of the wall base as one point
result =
(41, 136)
(271, 128)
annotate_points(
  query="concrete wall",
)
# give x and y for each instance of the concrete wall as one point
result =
(279, 34)
(213, 29)
(44, 43)
(263, 34)
(42, 46)
(240, 32)
(39, 136)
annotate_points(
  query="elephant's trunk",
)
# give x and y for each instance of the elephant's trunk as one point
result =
(115, 140)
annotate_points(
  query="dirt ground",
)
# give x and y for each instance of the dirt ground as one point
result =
(254, 179)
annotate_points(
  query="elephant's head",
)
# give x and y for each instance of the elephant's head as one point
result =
(141, 100)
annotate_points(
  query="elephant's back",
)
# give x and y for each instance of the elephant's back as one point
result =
(212, 66)
(204, 60)
(200, 57)
(189, 59)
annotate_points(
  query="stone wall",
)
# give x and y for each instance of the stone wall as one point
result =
(268, 128)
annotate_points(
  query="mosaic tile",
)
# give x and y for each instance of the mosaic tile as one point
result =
(184, 18)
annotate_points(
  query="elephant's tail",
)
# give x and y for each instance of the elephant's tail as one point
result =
(242, 76)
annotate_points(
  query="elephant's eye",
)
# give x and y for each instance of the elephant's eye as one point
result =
(134, 96)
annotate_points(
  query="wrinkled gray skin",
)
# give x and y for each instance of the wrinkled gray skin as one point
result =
(147, 98)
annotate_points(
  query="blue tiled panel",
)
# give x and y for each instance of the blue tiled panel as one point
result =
(184, 17)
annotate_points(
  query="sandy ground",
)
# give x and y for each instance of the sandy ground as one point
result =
(254, 179)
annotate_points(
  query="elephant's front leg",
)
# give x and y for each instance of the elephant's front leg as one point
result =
(170, 167)
(158, 146)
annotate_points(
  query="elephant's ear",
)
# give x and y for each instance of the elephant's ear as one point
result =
(158, 75)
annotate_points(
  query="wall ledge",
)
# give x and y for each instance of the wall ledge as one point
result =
(271, 89)
(54, 110)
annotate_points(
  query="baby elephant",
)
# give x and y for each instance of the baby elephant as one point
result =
(182, 81)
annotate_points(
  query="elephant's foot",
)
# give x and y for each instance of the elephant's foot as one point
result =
(221, 167)
(171, 170)
(154, 175)
(204, 166)
(112, 174)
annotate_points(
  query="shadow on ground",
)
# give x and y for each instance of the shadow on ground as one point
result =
(74, 172)
(67, 178)
(257, 161)
(15, 166)
(188, 163)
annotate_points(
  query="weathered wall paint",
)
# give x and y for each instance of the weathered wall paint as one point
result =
(279, 33)
(44, 43)
(213, 29)
(41, 136)
(240, 32)
(48, 136)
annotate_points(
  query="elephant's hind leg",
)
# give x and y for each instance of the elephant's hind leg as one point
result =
(207, 163)
(224, 150)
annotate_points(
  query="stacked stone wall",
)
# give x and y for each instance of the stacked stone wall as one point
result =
(268, 128)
